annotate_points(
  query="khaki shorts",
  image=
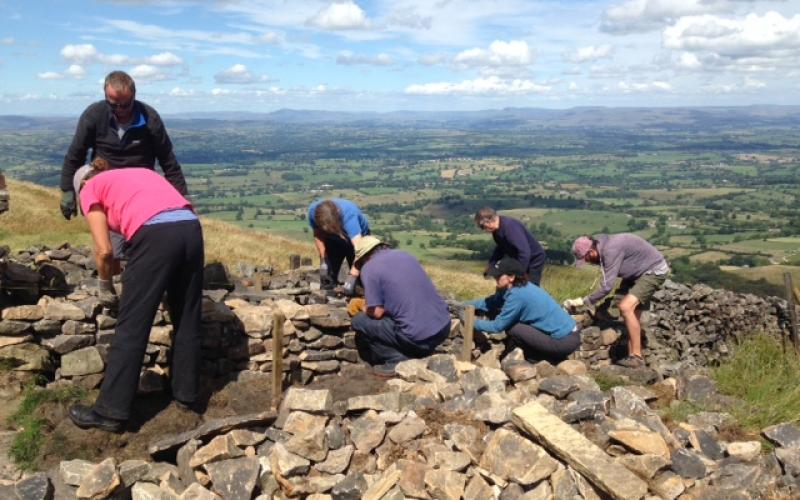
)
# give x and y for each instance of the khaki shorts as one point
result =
(642, 287)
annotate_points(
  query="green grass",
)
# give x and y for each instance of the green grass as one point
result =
(607, 381)
(29, 424)
(770, 391)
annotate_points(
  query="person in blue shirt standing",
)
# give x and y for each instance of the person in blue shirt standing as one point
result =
(513, 240)
(405, 316)
(529, 315)
(338, 224)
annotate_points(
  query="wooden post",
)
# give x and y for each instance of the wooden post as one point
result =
(467, 328)
(787, 281)
(294, 261)
(277, 358)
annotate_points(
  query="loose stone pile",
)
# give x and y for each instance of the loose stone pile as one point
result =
(450, 429)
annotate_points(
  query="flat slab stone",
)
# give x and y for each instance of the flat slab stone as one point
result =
(234, 478)
(581, 454)
(211, 428)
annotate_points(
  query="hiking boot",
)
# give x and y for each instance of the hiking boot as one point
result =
(632, 361)
(385, 370)
(86, 418)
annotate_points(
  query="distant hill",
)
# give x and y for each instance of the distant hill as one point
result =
(699, 118)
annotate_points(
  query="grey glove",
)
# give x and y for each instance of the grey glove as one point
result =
(68, 205)
(349, 288)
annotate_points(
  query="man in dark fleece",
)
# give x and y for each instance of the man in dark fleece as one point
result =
(123, 131)
(513, 240)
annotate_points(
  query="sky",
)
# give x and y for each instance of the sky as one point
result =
(389, 55)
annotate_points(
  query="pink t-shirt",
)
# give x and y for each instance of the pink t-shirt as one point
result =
(130, 197)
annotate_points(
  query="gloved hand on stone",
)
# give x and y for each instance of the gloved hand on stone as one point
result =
(356, 305)
(349, 288)
(573, 303)
(68, 205)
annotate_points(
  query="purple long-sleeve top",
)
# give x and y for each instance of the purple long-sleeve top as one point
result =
(623, 255)
(514, 240)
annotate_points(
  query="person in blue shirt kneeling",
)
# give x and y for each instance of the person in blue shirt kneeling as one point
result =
(532, 319)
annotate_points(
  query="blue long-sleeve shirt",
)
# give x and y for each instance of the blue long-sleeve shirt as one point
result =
(354, 222)
(514, 240)
(526, 304)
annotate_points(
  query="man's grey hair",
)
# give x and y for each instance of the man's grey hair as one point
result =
(119, 80)
(485, 214)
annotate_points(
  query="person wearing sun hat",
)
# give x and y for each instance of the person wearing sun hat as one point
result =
(405, 316)
(528, 314)
(643, 270)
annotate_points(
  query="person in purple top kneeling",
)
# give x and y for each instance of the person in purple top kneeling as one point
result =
(405, 316)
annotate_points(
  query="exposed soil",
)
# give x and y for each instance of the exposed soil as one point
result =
(156, 416)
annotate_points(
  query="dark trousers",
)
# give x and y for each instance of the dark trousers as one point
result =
(535, 273)
(379, 341)
(162, 258)
(539, 346)
(336, 250)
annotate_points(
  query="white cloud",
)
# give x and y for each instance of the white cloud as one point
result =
(50, 75)
(591, 53)
(220, 92)
(632, 16)
(499, 54)
(271, 38)
(148, 72)
(655, 86)
(83, 53)
(433, 59)
(573, 87)
(344, 15)
(492, 85)
(180, 92)
(113, 59)
(238, 74)
(348, 58)
(752, 83)
(7, 41)
(688, 60)
(75, 71)
(165, 59)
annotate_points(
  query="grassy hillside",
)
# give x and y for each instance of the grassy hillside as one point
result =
(34, 219)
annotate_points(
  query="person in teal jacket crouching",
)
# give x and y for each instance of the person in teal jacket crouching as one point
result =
(529, 315)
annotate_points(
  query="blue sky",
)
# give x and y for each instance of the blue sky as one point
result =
(385, 55)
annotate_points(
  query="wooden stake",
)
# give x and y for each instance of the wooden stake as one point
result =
(278, 319)
(787, 281)
(467, 329)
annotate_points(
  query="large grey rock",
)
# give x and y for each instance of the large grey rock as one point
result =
(445, 484)
(466, 438)
(150, 491)
(351, 487)
(196, 491)
(101, 481)
(62, 344)
(645, 466)
(451, 460)
(234, 478)
(319, 401)
(786, 435)
(72, 327)
(311, 444)
(62, 311)
(337, 461)
(789, 459)
(478, 489)
(73, 471)
(668, 485)
(23, 313)
(509, 455)
(493, 407)
(183, 459)
(388, 401)
(559, 385)
(409, 428)
(697, 389)
(13, 328)
(211, 428)
(17, 339)
(563, 484)
(34, 487)
(219, 448)
(367, 431)
(688, 464)
(84, 361)
(131, 471)
(27, 357)
(576, 450)
(287, 463)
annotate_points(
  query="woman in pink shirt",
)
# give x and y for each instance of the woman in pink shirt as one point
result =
(164, 243)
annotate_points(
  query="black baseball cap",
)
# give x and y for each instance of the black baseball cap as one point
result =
(506, 265)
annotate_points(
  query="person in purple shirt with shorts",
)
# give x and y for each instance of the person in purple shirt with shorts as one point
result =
(405, 316)
(643, 270)
(513, 240)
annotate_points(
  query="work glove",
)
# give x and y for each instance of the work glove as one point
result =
(573, 303)
(349, 288)
(68, 206)
(356, 305)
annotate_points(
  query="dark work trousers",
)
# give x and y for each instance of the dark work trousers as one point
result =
(379, 341)
(336, 250)
(168, 258)
(539, 346)
(535, 273)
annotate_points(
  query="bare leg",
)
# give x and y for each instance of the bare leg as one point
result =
(628, 308)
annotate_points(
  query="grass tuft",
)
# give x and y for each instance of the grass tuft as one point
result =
(766, 380)
(30, 424)
(606, 381)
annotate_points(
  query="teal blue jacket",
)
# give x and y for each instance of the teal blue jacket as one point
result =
(526, 304)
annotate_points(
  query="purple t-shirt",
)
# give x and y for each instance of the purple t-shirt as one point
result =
(396, 281)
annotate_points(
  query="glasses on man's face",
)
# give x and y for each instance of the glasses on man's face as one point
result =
(484, 225)
(119, 105)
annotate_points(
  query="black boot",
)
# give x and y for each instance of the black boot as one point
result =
(85, 418)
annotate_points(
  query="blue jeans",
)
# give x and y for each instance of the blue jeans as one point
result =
(380, 341)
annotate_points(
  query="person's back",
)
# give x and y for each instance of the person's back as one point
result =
(634, 255)
(396, 280)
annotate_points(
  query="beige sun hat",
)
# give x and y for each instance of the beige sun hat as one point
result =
(364, 245)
